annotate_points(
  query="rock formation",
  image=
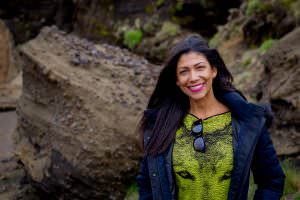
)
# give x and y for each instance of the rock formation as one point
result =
(280, 86)
(77, 116)
(265, 63)
(148, 27)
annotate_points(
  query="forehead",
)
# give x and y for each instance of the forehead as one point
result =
(190, 59)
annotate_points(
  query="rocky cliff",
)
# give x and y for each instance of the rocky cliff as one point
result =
(280, 85)
(77, 116)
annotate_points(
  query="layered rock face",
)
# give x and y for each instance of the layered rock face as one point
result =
(77, 116)
(280, 85)
(10, 77)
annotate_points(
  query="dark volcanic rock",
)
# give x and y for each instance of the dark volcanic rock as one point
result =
(26, 18)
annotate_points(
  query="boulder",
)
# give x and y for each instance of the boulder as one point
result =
(77, 116)
(280, 85)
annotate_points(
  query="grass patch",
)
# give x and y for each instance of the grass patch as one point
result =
(267, 44)
(292, 180)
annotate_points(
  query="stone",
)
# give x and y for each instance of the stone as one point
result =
(76, 125)
(280, 85)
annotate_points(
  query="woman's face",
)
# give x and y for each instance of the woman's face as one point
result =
(195, 75)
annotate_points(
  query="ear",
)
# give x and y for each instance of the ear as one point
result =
(215, 71)
(177, 83)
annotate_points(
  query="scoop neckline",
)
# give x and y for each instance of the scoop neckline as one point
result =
(209, 116)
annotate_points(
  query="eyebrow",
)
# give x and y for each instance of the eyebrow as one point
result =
(193, 65)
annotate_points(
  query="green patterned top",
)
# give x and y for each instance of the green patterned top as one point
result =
(204, 176)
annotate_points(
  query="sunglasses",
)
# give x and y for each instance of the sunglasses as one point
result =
(197, 132)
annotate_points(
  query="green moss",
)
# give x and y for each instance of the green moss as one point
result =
(214, 41)
(267, 44)
(159, 3)
(168, 29)
(149, 9)
(132, 38)
(255, 6)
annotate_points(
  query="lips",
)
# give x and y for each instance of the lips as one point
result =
(197, 88)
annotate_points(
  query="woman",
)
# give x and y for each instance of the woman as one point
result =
(201, 136)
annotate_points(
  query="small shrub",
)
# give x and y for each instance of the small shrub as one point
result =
(132, 38)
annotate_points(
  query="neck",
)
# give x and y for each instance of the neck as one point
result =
(206, 106)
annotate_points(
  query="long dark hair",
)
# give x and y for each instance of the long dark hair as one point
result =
(168, 103)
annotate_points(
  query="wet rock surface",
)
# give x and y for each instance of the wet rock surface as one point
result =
(77, 116)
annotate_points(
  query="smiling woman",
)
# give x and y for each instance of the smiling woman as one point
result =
(201, 137)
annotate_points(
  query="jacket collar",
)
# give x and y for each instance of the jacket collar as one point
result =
(239, 106)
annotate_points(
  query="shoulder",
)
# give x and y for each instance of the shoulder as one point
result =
(244, 109)
(264, 110)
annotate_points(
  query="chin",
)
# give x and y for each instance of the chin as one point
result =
(197, 97)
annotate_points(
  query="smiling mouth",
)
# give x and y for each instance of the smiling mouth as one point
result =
(197, 88)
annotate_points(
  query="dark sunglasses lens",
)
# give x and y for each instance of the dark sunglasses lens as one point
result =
(199, 144)
(197, 128)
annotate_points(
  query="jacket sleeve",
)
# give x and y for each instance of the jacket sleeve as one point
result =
(143, 181)
(266, 169)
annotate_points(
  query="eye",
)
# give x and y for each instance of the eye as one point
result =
(182, 72)
(199, 67)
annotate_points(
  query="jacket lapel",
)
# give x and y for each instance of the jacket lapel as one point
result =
(245, 135)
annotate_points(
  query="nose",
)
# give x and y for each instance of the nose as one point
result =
(194, 76)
